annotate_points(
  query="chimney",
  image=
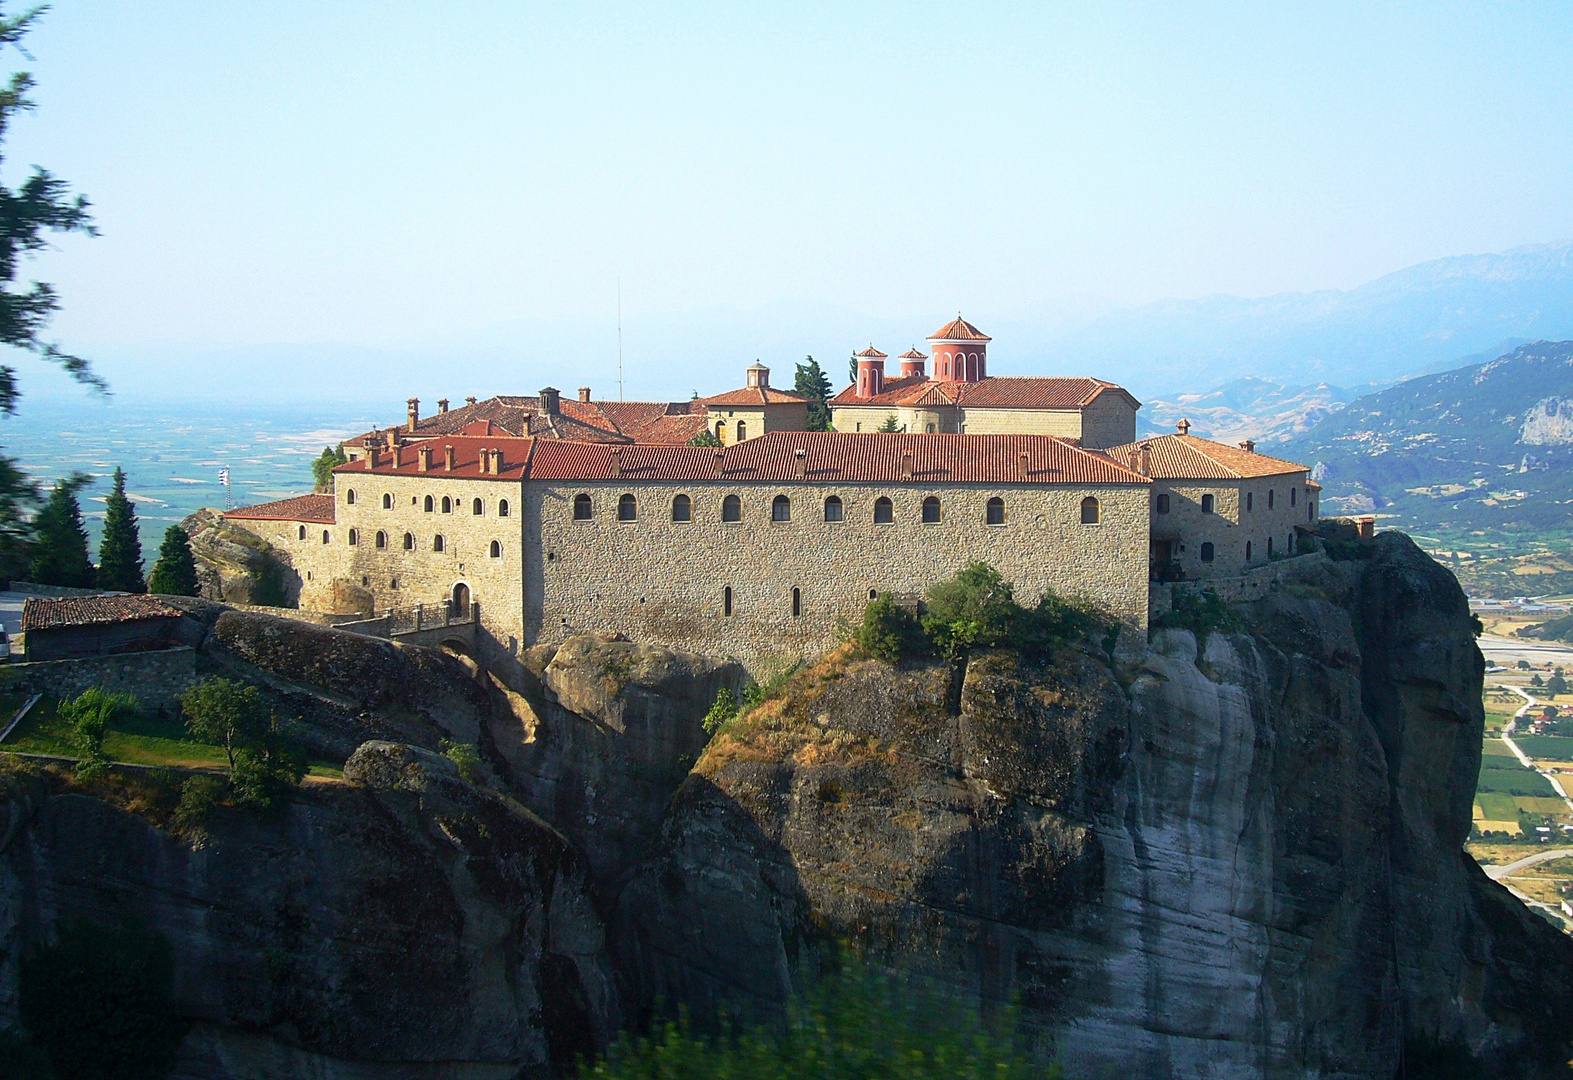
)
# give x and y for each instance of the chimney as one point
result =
(912, 363)
(393, 438)
(1183, 427)
(442, 405)
(447, 457)
(1367, 526)
(1146, 460)
(1021, 464)
(1248, 445)
(906, 464)
(871, 372)
(1133, 459)
(549, 401)
(497, 461)
(758, 376)
(412, 410)
(617, 459)
(584, 394)
(372, 454)
(802, 461)
(423, 458)
(470, 400)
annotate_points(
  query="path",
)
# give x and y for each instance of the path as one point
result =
(1509, 651)
(1523, 759)
(1495, 872)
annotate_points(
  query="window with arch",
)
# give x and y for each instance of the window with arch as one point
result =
(387, 500)
(720, 431)
(834, 511)
(781, 508)
(1247, 551)
(447, 505)
(1207, 551)
(1310, 511)
(726, 600)
(931, 510)
(1207, 504)
(873, 594)
(381, 539)
(437, 543)
(409, 541)
(1162, 503)
(1250, 501)
(682, 508)
(1089, 511)
(1269, 498)
(627, 507)
(496, 551)
(731, 508)
(302, 532)
(477, 507)
(502, 508)
(742, 431)
(324, 536)
(581, 507)
(1292, 493)
(354, 537)
(427, 505)
(349, 496)
(797, 602)
(884, 513)
(994, 511)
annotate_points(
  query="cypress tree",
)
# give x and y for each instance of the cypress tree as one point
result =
(814, 384)
(60, 541)
(120, 548)
(175, 572)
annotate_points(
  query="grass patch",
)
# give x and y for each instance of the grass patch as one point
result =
(1496, 748)
(1495, 807)
(1513, 781)
(1550, 807)
(1547, 747)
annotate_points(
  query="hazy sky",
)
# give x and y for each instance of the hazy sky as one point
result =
(397, 176)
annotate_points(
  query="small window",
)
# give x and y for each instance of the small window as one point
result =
(409, 541)
(1269, 547)
(873, 594)
(726, 600)
(1163, 504)
(994, 512)
(1207, 504)
(1289, 541)
(931, 511)
(1089, 511)
(381, 539)
(349, 496)
(303, 532)
(387, 501)
(447, 505)
(1207, 551)
(781, 508)
(1250, 501)
(742, 431)
(581, 507)
(682, 508)
(1292, 493)
(720, 432)
(502, 507)
(436, 542)
(833, 508)
(627, 508)
(354, 537)
(324, 536)
(477, 507)
(1310, 511)
(1269, 500)
(427, 504)
(496, 549)
(797, 602)
(884, 514)
(731, 508)
(1247, 551)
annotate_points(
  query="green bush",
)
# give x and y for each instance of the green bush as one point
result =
(850, 1025)
(89, 717)
(1200, 613)
(263, 763)
(723, 712)
(99, 1002)
(464, 756)
(198, 796)
(977, 609)
(890, 632)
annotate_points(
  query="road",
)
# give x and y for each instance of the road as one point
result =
(11, 612)
(1495, 872)
(1509, 651)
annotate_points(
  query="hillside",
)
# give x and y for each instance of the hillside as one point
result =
(1259, 409)
(1477, 463)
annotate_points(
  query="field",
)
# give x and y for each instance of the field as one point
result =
(1505, 776)
(1546, 747)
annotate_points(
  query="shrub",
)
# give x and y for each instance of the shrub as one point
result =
(99, 1002)
(90, 716)
(464, 756)
(1200, 613)
(723, 712)
(890, 632)
(975, 609)
(705, 438)
(198, 796)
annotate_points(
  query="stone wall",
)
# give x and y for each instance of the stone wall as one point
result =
(158, 678)
(1244, 588)
(1231, 526)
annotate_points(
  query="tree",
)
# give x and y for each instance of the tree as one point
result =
(705, 438)
(89, 717)
(42, 204)
(262, 762)
(60, 541)
(18, 496)
(175, 572)
(322, 468)
(1556, 685)
(889, 631)
(852, 371)
(1522, 665)
(120, 548)
(1535, 680)
(889, 426)
(814, 384)
(976, 609)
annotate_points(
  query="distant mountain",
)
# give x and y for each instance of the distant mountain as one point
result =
(1257, 409)
(1406, 322)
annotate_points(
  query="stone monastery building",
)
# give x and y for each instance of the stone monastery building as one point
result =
(553, 517)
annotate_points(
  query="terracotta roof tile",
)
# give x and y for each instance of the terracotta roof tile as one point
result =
(39, 613)
(405, 461)
(870, 353)
(1189, 457)
(318, 508)
(959, 329)
(1003, 392)
(754, 395)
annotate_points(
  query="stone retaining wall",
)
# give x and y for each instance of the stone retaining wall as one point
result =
(1245, 588)
(157, 678)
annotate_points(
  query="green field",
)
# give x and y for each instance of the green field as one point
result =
(1497, 807)
(1504, 776)
(1549, 747)
(1496, 748)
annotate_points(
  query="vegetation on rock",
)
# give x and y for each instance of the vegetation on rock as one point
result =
(120, 546)
(323, 465)
(1199, 612)
(175, 572)
(262, 762)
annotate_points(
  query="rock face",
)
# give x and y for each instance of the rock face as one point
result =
(407, 924)
(1239, 856)
(234, 565)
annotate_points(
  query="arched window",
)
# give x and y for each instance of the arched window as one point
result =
(833, 508)
(1269, 498)
(883, 512)
(781, 508)
(477, 507)
(496, 549)
(873, 593)
(349, 496)
(409, 541)
(381, 539)
(1269, 547)
(726, 600)
(354, 537)
(1162, 503)
(324, 536)
(742, 431)
(1089, 511)
(387, 500)
(1292, 493)
(502, 507)
(1207, 504)
(1250, 501)
(731, 508)
(436, 542)
(931, 510)
(581, 507)
(1207, 551)
(682, 508)
(1247, 551)
(627, 508)
(303, 532)
(447, 505)
(994, 512)
(797, 602)
(720, 432)
(427, 504)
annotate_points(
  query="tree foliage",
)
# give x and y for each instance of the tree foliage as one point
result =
(263, 763)
(323, 465)
(705, 438)
(120, 546)
(18, 497)
(890, 425)
(175, 572)
(89, 716)
(59, 541)
(813, 384)
(890, 632)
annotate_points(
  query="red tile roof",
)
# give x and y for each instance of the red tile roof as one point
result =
(580, 421)
(998, 392)
(754, 395)
(870, 353)
(1188, 457)
(39, 613)
(959, 329)
(405, 460)
(318, 508)
(913, 354)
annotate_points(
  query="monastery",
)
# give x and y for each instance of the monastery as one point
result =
(549, 517)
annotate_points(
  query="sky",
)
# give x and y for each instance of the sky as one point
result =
(443, 199)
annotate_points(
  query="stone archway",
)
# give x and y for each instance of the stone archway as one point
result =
(459, 601)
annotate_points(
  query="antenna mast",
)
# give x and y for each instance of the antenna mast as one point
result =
(619, 339)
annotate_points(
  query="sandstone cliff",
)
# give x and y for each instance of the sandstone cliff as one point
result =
(237, 566)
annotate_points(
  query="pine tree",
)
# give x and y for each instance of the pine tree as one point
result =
(120, 548)
(814, 384)
(60, 541)
(175, 572)
(323, 465)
